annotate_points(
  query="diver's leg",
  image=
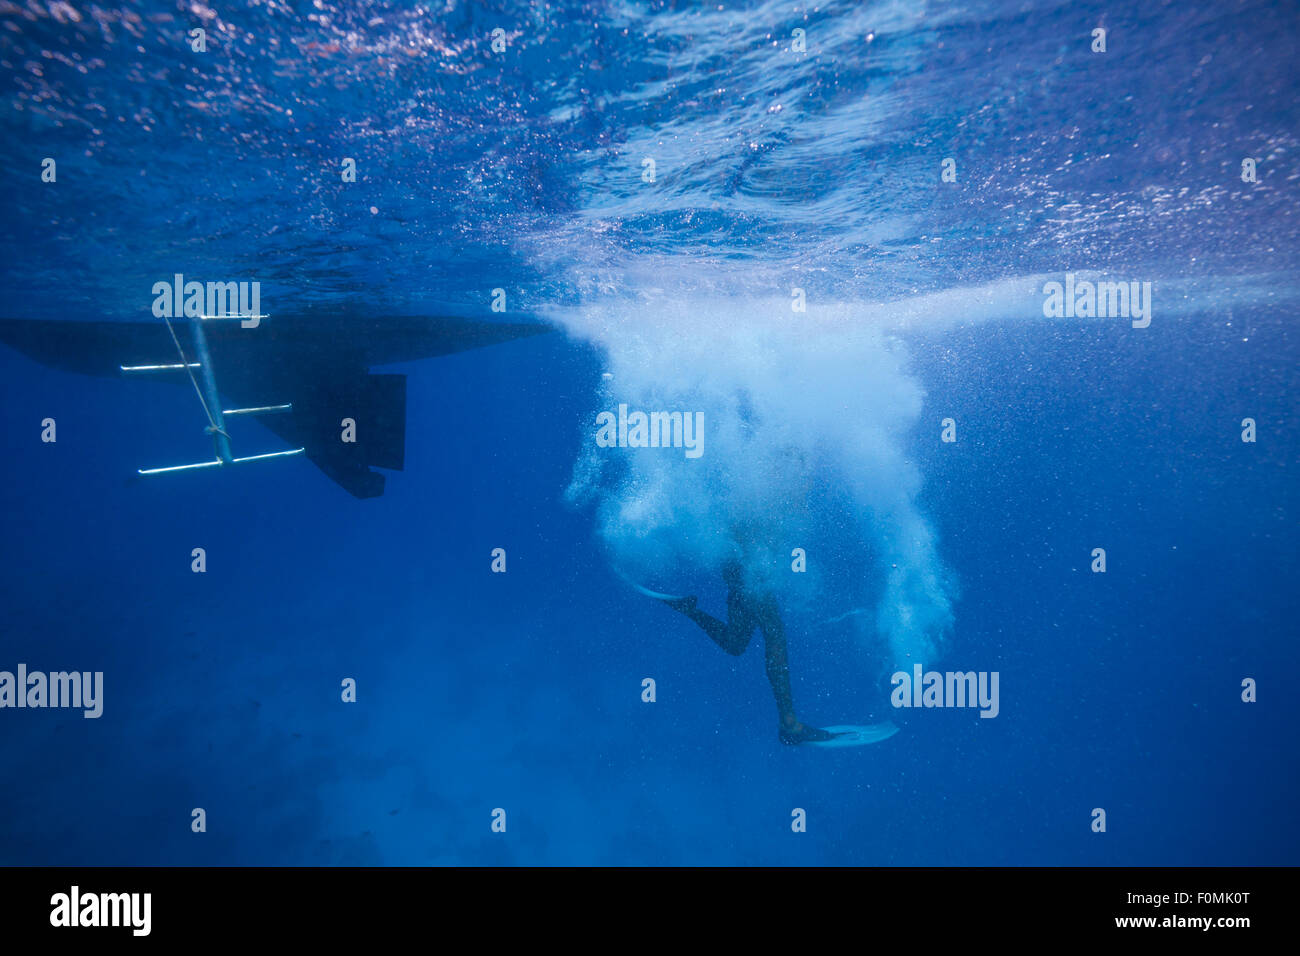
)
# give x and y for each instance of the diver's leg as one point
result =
(791, 731)
(732, 636)
(778, 664)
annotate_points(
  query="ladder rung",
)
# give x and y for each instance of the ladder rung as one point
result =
(216, 462)
(158, 368)
(257, 411)
(272, 454)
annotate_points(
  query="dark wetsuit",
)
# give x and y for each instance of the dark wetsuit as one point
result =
(747, 611)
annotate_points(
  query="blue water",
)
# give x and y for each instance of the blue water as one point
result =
(774, 170)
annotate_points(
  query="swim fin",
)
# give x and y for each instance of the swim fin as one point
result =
(856, 735)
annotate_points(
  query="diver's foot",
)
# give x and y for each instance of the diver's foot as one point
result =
(685, 604)
(798, 733)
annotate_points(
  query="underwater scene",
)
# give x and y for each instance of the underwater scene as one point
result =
(649, 433)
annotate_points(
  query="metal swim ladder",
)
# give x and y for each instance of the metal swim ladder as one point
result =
(209, 399)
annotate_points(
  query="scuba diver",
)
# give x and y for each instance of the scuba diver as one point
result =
(747, 609)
